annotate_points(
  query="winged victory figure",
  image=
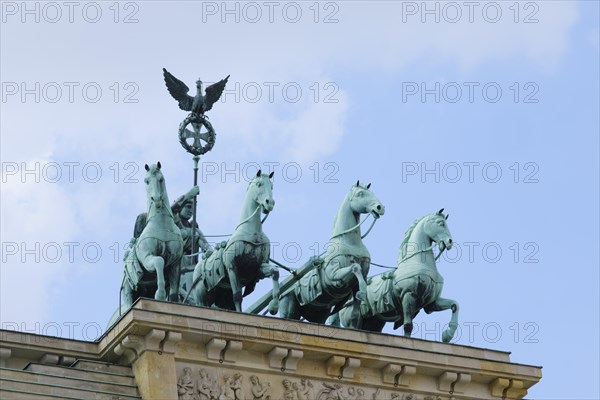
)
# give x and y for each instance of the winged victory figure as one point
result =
(200, 103)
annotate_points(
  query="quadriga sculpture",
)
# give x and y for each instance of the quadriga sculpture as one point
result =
(243, 260)
(153, 260)
(398, 295)
(343, 273)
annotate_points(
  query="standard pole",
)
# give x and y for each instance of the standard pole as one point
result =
(196, 159)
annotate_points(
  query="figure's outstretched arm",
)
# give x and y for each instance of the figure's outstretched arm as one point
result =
(202, 242)
(181, 200)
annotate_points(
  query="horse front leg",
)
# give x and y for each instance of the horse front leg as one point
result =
(236, 288)
(355, 316)
(289, 307)
(409, 302)
(269, 270)
(196, 283)
(361, 295)
(158, 264)
(174, 279)
(359, 298)
(345, 275)
(442, 304)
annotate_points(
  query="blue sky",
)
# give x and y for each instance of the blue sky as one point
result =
(492, 116)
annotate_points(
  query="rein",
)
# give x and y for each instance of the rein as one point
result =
(355, 227)
(406, 258)
(415, 253)
(248, 219)
(164, 204)
(244, 221)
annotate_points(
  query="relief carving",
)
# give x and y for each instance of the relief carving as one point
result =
(360, 394)
(333, 392)
(206, 386)
(400, 396)
(288, 392)
(259, 390)
(303, 390)
(232, 387)
(185, 385)
(306, 391)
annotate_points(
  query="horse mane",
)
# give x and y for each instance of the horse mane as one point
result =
(409, 231)
(350, 192)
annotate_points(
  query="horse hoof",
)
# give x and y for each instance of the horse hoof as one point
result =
(408, 327)
(273, 307)
(160, 295)
(446, 336)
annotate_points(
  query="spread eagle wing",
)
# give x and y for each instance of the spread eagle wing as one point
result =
(179, 91)
(213, 93)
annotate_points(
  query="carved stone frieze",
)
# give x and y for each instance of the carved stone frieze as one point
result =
(223, 383)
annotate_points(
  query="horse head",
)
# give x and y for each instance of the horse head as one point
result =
(436, 228)
(155, 186)
(261, 191)
(363, 201)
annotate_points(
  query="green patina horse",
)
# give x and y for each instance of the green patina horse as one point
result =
(243, 260)
(152, 264)
(344, 271)
(398, 295)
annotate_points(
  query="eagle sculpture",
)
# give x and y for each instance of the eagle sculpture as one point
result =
(198, 104)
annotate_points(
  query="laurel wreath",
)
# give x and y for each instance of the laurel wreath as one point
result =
(197, 150)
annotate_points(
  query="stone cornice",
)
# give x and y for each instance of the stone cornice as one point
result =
(234, 341)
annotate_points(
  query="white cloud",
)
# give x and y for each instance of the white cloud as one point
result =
(37, 219)
(370, 37)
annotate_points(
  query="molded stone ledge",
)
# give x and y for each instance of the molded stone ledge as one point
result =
(214, 347)
(334, 365)
(253, 344)
(461, 384)
(498, 385)
(133, 346)
(276, 356)
(223, 350)
(129, 349)
(507, 388)
(515, 389)
(67, 361)
(153, 339)
(232, 350)
(169, 344)
(453, 382)
(342, 367)
(398, 375)
(290, 363)
(284, 359)
(51, 359)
